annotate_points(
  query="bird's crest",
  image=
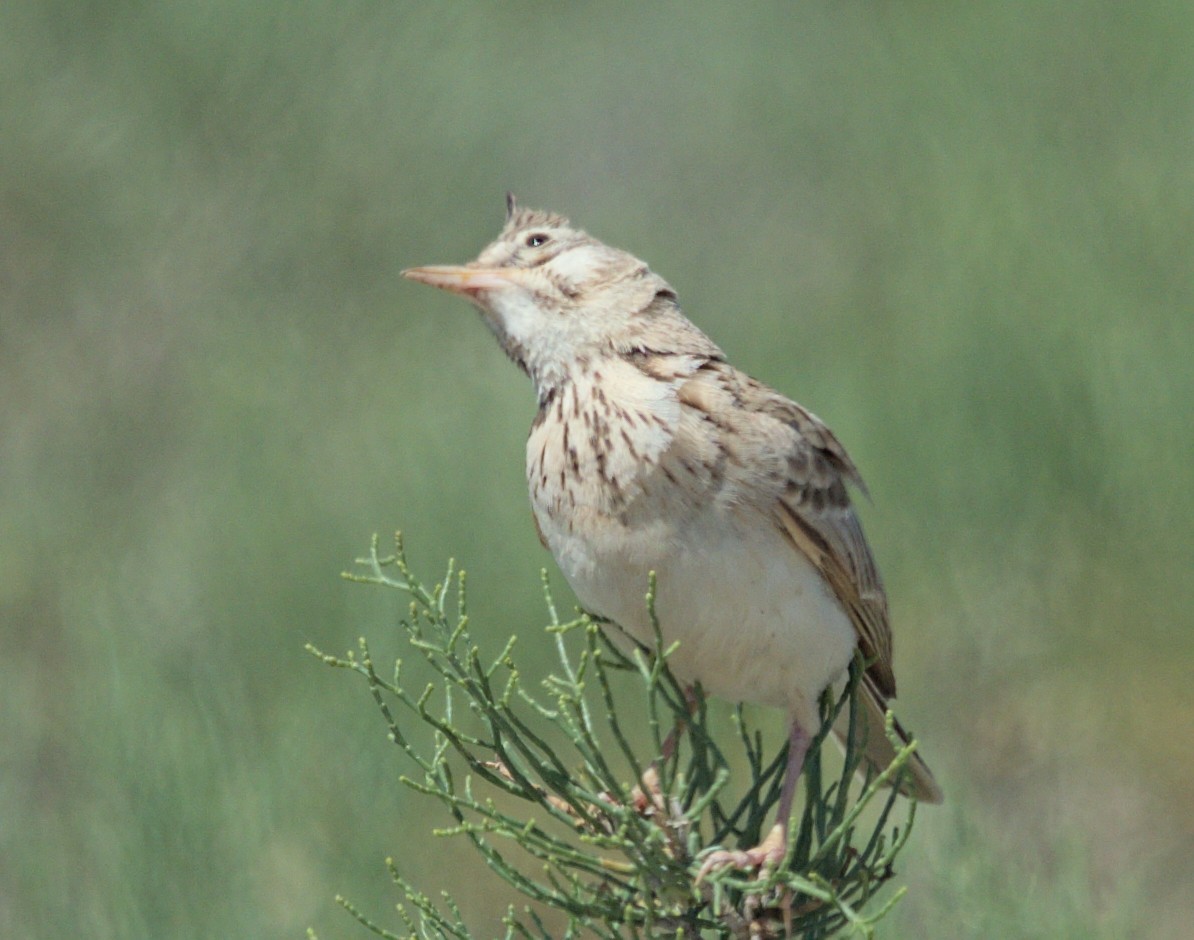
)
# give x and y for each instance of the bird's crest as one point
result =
(518, 218)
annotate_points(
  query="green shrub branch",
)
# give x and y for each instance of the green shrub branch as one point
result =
(618, 833)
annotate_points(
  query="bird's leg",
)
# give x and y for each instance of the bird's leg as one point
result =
(669, 743)
(648, 794)
(774, 847)
(798, 742)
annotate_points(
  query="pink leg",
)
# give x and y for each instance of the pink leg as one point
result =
(771, 850)
(669, 743)
(798, 742)
(648, 794)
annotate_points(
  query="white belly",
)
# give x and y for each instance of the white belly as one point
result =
(754, 620)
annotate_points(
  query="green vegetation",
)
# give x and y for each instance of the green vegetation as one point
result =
(959, 232)
(617, 855)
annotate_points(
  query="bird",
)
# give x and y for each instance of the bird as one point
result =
(650, 452)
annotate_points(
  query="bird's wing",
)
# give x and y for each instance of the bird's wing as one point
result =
(814, 511)
(804, 471)
(832, 538)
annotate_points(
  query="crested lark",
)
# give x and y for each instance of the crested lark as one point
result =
(651, 453)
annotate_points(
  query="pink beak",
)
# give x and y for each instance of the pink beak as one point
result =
(464, 280)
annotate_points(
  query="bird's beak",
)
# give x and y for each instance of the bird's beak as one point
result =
(464, 280)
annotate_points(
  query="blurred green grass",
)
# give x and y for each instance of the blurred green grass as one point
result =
(960, 234)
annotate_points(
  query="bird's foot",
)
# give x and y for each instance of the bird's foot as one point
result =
(767, 854)
(550, 798)
(647, 797)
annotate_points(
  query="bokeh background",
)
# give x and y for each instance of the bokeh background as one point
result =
(961, 233)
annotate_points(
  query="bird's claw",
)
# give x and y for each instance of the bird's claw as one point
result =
(647, 797)
(767, 854)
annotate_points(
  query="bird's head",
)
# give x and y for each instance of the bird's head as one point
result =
(555, 296)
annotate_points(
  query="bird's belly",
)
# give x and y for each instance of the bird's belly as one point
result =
(754, 619)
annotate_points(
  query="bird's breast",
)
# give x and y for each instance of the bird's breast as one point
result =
(627, 478)
(596, 439)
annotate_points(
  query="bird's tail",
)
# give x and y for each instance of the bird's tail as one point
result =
(917, 780)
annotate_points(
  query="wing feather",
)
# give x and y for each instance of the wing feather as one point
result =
(815, 512)
(799, 472)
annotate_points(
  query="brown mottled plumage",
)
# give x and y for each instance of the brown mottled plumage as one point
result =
(651, 453)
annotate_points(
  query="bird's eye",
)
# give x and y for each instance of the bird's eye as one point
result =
(535, 240)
